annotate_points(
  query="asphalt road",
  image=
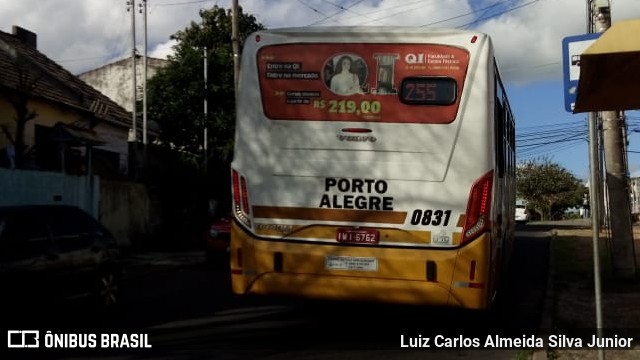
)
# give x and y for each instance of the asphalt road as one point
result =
(185, 307)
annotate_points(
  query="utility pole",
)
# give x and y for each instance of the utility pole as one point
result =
(131, 8)
(206, 114)
(235, 44)
(144, 76)
(596, 185)
(622, 249)
(592, 10)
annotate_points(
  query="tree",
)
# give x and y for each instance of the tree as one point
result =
(548, 187)
(19, 97)
(176, 94)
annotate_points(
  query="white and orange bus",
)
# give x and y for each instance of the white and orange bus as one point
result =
(372, 164)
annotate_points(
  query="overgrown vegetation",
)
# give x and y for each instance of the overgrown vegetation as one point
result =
(183, 177)
(178, 92)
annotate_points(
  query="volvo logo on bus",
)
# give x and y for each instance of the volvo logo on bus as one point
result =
(357, 138)
(414, 58)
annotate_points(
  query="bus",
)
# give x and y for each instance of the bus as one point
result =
(372, 164)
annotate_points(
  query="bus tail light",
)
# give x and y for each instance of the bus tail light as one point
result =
(244, 195)
(241, 206)
(478, 208)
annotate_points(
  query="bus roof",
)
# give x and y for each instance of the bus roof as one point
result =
(369, 30)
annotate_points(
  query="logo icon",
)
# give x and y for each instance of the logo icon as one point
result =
(23, 338)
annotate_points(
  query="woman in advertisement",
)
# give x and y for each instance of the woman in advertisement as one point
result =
(345, 81)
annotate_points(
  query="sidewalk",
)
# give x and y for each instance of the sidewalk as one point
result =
(570, 303)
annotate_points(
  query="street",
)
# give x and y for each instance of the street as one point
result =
(185, 306)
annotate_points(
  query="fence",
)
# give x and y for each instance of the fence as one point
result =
(123, 207)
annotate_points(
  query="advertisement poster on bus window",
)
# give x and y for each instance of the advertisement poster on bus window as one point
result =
(362, 82)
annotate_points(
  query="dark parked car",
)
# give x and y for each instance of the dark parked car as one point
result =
(54, 255)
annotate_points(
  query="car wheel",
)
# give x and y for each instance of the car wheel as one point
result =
(107, 291)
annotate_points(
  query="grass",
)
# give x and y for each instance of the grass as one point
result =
(572, 252)
(573, 292)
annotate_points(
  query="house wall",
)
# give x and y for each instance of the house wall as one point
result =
(7, 114)
(47, 115)
(116, 80)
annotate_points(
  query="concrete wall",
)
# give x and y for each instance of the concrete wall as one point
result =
(116, 79)
(116, 142)
(126, 210)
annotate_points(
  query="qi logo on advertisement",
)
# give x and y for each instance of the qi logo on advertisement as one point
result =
(414, 58)
(23, 338)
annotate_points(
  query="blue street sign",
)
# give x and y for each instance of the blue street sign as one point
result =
(572, 48)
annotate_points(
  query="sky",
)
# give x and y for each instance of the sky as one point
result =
(82, 35)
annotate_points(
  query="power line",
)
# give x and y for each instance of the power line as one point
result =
(500, 13)
(385, 10)
(104, 57)
(544, 139)
(123, 33)
(117, 51)
(509, 70)
(467, 14)
(184, 3)
(312, 8)
(340, 11)
(419, 4)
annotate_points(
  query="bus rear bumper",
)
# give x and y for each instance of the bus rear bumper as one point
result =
(400, 275)
(352, 289)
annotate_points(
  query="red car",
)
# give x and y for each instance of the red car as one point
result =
(217, 245)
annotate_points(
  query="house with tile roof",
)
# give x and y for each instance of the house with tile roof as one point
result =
(51, 120)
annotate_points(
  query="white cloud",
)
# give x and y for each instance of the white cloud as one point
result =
(161, 51)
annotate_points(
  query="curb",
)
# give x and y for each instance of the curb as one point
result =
(166, 258)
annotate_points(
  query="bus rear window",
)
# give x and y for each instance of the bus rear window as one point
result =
(362, 82)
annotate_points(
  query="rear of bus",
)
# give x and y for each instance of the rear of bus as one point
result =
(364, 166)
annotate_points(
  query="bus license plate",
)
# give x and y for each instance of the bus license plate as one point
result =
(357, 236)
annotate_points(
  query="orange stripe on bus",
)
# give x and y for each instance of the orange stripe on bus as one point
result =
(301, 213)
(329, 233)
